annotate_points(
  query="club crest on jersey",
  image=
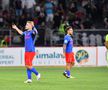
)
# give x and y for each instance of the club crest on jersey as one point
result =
(27, 37)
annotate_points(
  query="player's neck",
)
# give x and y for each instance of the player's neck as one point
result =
(29, 29)
(69, 34)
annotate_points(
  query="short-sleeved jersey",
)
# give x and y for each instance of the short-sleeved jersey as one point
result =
(49, 8)
(68, 41)
(106, 37)
(29, 40)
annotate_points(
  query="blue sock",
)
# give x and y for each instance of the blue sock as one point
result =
(34, 71)
(29, 73)
(68, 72)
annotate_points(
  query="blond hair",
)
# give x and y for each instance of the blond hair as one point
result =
(29, 21)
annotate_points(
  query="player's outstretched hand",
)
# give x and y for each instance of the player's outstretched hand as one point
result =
(14, 26)
(17, 29)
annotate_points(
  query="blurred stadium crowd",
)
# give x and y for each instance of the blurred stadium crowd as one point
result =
(52, 16)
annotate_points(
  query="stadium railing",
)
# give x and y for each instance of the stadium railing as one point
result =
(54, 38)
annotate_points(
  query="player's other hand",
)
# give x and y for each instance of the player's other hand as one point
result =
(14, 26)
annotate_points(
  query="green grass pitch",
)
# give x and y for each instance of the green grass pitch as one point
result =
(87, 78)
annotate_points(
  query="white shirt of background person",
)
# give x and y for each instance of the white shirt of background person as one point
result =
(76, 38)
(92, 39)
(85, 40)
(98, 40)
(28, 3)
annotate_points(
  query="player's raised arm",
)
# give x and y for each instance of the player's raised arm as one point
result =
(17, 29)
(34, 29)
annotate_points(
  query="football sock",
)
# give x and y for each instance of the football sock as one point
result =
(68, 72)
(34, 71)
(29, 73)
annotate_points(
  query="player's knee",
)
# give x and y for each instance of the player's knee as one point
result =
(72, 63)
(68, 64)
(26, 66)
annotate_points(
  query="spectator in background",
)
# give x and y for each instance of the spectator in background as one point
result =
(18, 7)
(29, 5)
(92, 39)
(106, 22)
(98, 40)
(41, 19)
(80, 14)
(6, 17)
(62, 27)
(60, 9)
(85, 2)
(5, 41)
(16, 39)
(76, 38)
(57, 20)
(37, 9)
(28, 17)
(62, 3)
(1, 20)
(23, 20)
(0, 4)
(105, 8)
(85, 39)
(5, 4)
(49, 11)
(87, 6)
(76, 23)
(87, 24)
(73, 7)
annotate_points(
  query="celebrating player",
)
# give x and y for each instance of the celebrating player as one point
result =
(68, 52)
(29, 48)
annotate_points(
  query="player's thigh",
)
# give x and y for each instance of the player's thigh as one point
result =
(32, 55)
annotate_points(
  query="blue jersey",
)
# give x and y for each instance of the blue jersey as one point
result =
(29, 40)
(68, 41)
(49, 8)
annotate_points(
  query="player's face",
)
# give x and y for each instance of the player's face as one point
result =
(28, 26)
(70, 31)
